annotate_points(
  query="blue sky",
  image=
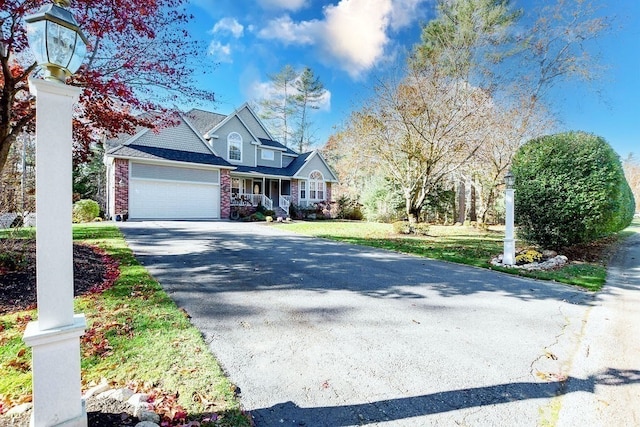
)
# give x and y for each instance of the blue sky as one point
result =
(349, 42)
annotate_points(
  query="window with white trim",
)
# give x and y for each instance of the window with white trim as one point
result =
(267, 154)
(316, 186)
(234, 146)
(303, 190)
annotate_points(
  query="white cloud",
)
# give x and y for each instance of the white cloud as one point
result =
(406, 12)
(289, 32)
(355, 33)
(352, 34)
(220, 52)
(292, 5)
(228, 26)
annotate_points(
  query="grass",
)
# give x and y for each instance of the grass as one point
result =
(458, 244)
(135, 336)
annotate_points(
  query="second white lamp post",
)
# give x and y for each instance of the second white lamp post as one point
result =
(509, 256)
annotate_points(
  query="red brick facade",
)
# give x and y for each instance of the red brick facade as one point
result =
(121, 183)
(225, 193)
(294, 191)
(328, 195)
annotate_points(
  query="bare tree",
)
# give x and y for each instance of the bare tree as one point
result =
(631, 167)
(421, 130)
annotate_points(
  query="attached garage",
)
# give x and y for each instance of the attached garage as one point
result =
(169, 192)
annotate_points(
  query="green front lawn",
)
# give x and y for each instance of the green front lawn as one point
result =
(136, 336)
(459, 244)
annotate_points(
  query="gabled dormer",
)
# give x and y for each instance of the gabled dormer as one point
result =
(242, 140)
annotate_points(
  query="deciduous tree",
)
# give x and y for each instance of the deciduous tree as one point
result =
(631, 167)
(140, 58)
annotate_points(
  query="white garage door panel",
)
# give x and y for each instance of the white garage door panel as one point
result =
(173, 200)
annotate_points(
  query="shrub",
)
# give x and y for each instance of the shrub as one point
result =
(570, 188)
(294, 211)
(269, 218)
(420, 228)
(528, 257)
(348, 208)
(85, 210)
(405, 227)
(402, 227)
(258, 216)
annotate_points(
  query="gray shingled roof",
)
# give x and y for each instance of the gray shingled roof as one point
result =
(158, 153)
(204, 121)
(289, 171)
(276, 144)
(180, 137)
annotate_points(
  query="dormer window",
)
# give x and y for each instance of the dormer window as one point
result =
(267, 154)
(234, 147)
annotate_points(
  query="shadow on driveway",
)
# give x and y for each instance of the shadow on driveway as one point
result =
(397, 409)
(237, 261)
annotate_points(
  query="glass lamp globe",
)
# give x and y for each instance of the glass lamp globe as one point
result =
(509, 179)
(56, 40)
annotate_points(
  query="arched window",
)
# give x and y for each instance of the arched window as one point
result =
(234, 146)
(316, 186)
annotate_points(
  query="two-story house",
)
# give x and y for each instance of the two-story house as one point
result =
(207, 163)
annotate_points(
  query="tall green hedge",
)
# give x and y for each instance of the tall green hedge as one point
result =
(570, 188)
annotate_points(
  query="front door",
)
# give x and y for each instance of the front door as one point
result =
(274, 193)
(257, 187)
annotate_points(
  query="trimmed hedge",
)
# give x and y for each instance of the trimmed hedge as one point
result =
(570, 188)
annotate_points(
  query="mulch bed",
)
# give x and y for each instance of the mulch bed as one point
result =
(18, 273)
(94, 271)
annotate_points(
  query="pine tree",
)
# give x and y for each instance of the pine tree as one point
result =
(310, 92)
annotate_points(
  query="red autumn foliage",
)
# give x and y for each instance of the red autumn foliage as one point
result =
(140, 58)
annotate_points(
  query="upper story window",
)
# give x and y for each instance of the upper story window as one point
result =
(234, 146)
(267, 154)
(316, 186)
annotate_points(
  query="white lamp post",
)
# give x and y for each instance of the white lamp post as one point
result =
(59, 48)
(509, 256)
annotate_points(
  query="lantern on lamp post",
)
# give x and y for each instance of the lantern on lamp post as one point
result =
(509, 256)
(56, 40)
(59, 47)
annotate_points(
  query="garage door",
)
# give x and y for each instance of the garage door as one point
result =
(164, 192)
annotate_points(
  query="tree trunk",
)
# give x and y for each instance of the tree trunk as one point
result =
(472, 204)
(413, 212)
(462, 199)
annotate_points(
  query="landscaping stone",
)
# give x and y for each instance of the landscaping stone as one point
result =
(146, 424)
(555, 262)
(122, 394)
(105, 394)
(151, 416)
(100, 388)
(138, 398)
(20, 409)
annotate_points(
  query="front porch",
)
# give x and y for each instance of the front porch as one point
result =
(273, 194)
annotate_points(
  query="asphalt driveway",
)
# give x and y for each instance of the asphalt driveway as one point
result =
(317, 333)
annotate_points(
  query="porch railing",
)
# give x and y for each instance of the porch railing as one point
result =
(285, 202)
(251, 200)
